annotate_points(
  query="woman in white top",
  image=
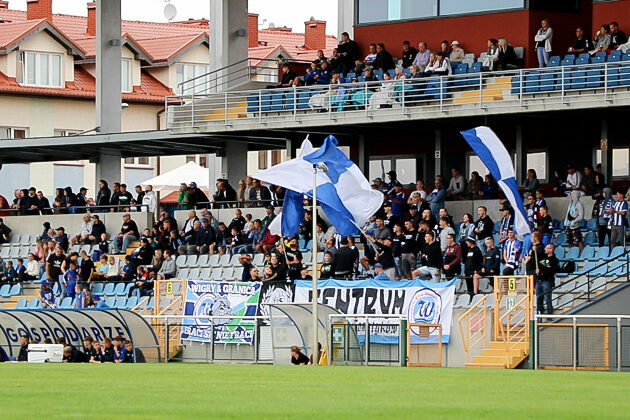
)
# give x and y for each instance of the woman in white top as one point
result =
(439, 67)
(543, 39)
(492, 56)
(33, 269)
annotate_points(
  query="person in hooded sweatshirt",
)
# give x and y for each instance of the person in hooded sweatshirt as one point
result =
(573, 220)
(71, 199)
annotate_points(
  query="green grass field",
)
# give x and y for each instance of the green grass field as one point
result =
(231, 391)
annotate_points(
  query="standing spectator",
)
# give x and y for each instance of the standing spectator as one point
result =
(197, 198)
(87, 269)
(581, 44)
(69, 281)
(507, 221)
(408, 55)
(491, 260)
(43, 205)
(617, 36)
(548, 267)
(53, 265)
(618, 221)
(473, 266)
(543, 39)
(345, 260)
(457, 53)
(445, 230)
(535, 254)
(573, 220)
(603, 218)
(240, 192)
(103, 196)
(452, 257)
(149, 200)
(259, 194)
(437, 197)
(384, 255)
(82, 200)
(124, 198)
(544, 225)
(182, 197)
(348, 52)
(384, 60)
(115, 194)
(489, 188)
(511, 253)
(457, 185)
(430, 258)
(423, 56)
(128, 233)
(5, 233)
(466, 230)
(484, 228)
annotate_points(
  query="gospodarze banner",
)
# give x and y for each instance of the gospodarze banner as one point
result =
(211, 298)
(420, 301)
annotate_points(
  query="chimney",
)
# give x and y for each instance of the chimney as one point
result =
(4, 4)
(315, 34)
(38, 9)
(252, 30)
(91, 19)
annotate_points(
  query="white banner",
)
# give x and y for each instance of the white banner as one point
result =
(421, 302)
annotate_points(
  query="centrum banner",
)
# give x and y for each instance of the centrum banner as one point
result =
(419, 301)
(211, 298)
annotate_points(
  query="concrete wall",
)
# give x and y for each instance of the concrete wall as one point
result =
(31, 225)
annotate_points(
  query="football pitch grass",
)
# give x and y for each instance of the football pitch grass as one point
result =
(191, 391)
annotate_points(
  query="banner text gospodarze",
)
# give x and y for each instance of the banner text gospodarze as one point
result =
(216, 299)
(419, 301)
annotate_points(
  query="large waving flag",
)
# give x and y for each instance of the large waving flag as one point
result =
(493, 154)
(343, 192)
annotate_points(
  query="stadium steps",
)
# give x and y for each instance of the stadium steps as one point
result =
(239, 110)
(498, 357)
(495, 89)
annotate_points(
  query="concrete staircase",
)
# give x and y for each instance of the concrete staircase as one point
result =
(497, 356)
(495, 89)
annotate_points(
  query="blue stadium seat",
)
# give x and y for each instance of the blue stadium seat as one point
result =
(594, 79)
(252, 103)
(587, 267)
(615, 253)
(591, 225)
(460, 80)
(516, 85)
(599, 54)
(557, 225)
(33, 303)
(66, 303)
(97, 288)
(16, 290)
(599, 271)
(351, 76)
(111, 301)
(21, 303)
(131, 302)
(559, 252)
(583, 59)
(151, 304)
(121, 302)
(303, 97)
(567, 62)
(554, 61)
(128, 288)
(573, 254)
(602, 253)
(577, 80)
(497, 227)
(624, 73)
(378, 74)
(119, 290)
(307, 247)
(590, 239)
(4, 290)
(561, 239)
(569, 57)
(392, 73)
(614, 268)
(587, 254)
(108, 290)
(532, 83)
(547, 82)
(289, 100)
(598, 59)
(615, 53)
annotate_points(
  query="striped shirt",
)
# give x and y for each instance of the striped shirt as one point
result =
(506, 224)
(512, 249)
(619, 219)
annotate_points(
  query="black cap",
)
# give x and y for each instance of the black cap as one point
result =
(61, 228)
(83, 189)
(95, 216)
(506, 206)
(32, 189)
(392, 173)
(471, 239)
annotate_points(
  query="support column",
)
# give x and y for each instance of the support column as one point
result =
(228, 38)
(521, 159)
(108, 167)
(364, 158)
(345, 22)
(438, 152)
(234, 162)
(606, 148)
(291, 148)
(108, 74)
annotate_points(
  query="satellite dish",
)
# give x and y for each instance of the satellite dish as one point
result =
(170, 11)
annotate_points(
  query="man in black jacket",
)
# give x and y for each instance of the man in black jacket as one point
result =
(472, 267)
(23, 355)
(430, 258)
(547, 269)
(344, 261)
(408, 55)
(103, 196)
(348, 52)
(483, 229)
(98, 228)
(384, 60)
(128, 233)
(197, 198)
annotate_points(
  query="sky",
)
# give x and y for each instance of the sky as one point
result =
(279, 12)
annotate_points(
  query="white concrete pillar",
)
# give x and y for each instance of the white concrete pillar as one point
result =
(108, 74)
(345, 22)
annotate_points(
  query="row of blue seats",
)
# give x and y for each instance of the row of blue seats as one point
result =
(596, 268)
(68, 303)
(7, 290)
(589, 254)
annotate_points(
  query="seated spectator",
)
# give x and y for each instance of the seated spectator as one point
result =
(69, 356)
(530, 184)
(423, 55)
(457, 53)
(128, 233)
(440, 66)
(9, 275)
(384, 60)
(5, 233)
(408, 54)
(325, 74)
(47, 296)
(98, 229)
(490, 60)
(587, 184)
(507, 59)
(431, 259)
(490, 189)
(85, 230)
(120, 352)
(573, 181)
(371, 57)
(62, 239)
(457, 185)
(33, 269)
(254, 274)
(369, 75)
(327, 269)
(168, 268)
(582, 43)
(416, 72)
(602, 39)
(23, 354)
(617, 36)
(312, 74)
(437, 196)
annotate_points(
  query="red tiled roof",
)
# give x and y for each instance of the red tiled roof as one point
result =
(13, 32)
(164, 49)
(150, 90)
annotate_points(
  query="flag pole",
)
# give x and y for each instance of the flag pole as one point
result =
(314, 270)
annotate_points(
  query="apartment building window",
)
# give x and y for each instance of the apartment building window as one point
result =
(13, 133)
(538, 162)
(620, 161)
(262, 159)
(138, 161)
(201, 160)
(191, 78)
(125, 80)
(458, 7)
(39, 69)
(66, 133)
(405, 167)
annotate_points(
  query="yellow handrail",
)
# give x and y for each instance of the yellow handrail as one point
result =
(471, 338)
(519, 309)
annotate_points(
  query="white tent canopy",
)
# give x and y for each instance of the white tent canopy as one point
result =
(171, 180)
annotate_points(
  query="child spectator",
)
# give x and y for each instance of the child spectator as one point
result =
(9, 274)
(80, 301)
(70, 280)
(103, 248)
(235, 240)
(47, 296)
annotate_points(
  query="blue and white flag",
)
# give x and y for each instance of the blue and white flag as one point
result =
(343, 192)
(493, 154)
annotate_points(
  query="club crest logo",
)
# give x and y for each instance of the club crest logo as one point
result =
(212, 305)
(425, 307)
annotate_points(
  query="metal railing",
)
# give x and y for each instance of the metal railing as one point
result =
(472, 326)
(434, 96)
(585, 342)
(586, 285)
(110, 208)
